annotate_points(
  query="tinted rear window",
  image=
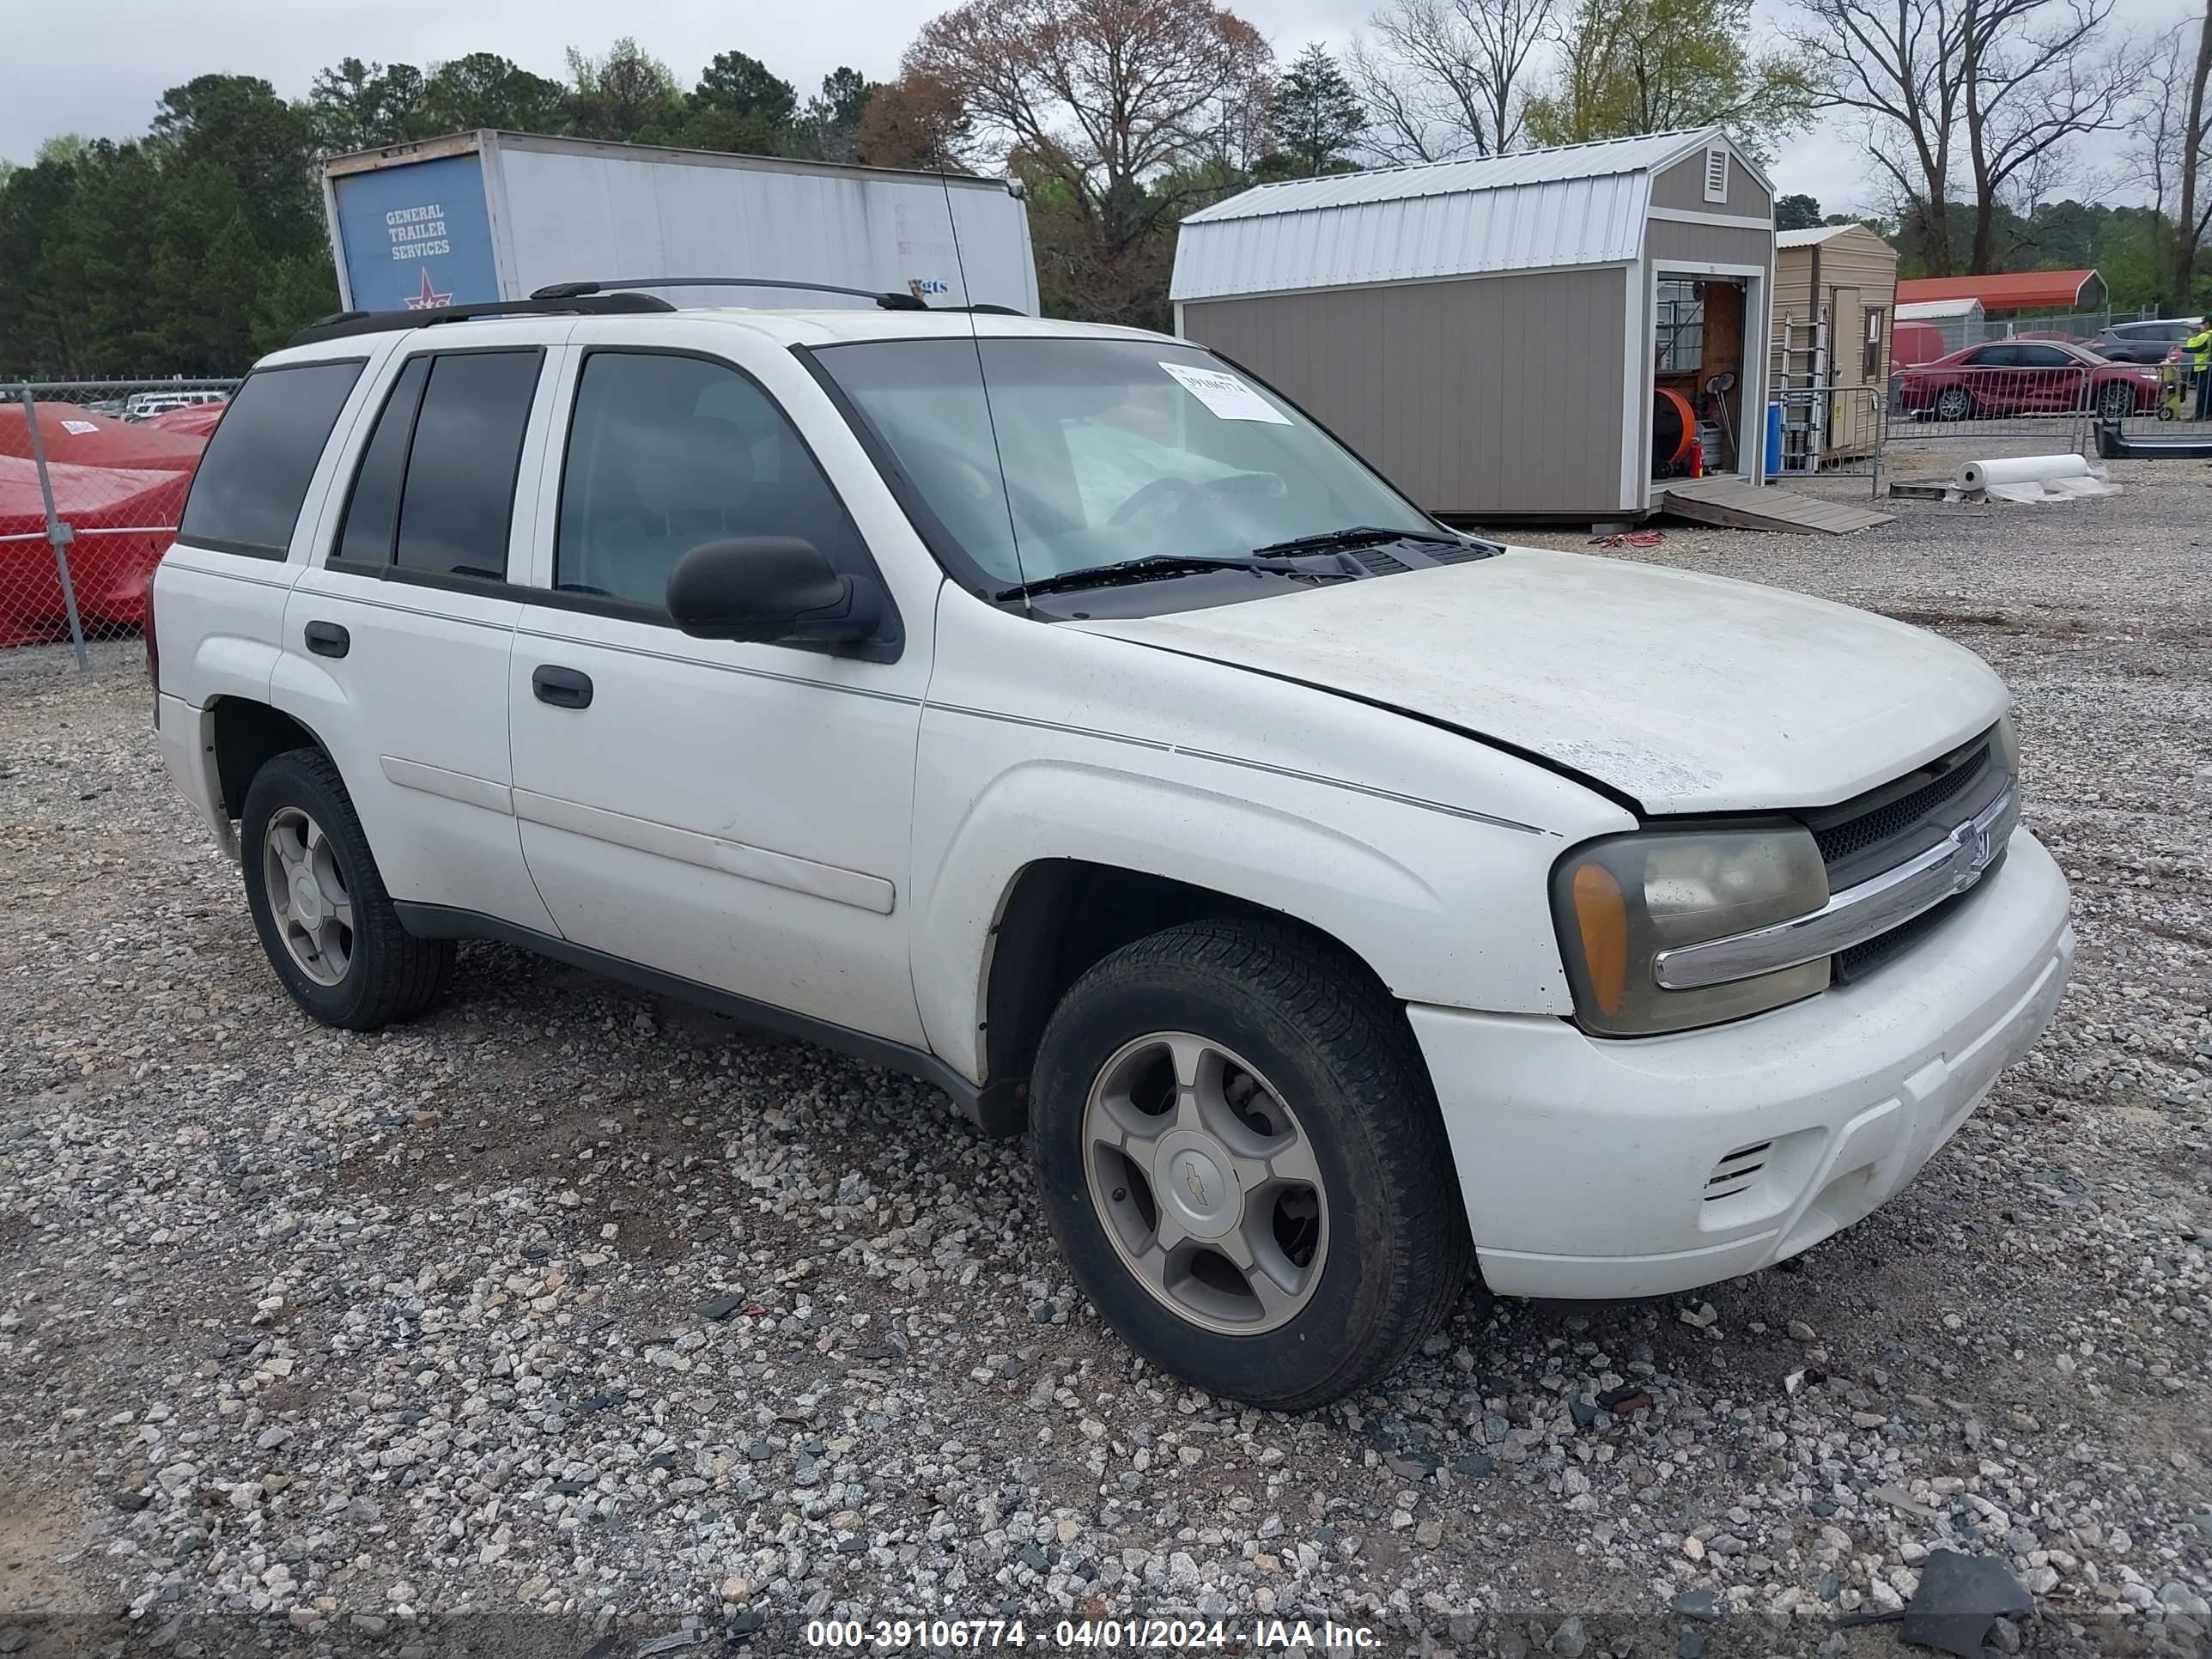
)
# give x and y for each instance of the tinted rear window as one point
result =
(458, 499)
(254, 478)
(372, 519)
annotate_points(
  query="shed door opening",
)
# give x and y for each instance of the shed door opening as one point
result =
(1697, 376)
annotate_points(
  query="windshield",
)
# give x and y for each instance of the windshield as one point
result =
(1112, 450)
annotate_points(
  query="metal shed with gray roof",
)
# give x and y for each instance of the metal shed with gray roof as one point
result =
(1493, 332)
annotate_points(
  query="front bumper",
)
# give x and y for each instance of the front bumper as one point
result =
(1610, 1168)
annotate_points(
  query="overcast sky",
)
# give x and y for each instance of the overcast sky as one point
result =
(98, 67)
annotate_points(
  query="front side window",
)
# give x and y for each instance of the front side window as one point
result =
(666, 453)
(254, 478)
(1086, 453)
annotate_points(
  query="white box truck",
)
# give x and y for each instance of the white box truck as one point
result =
(490, 216)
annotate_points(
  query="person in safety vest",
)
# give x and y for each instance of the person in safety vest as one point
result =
(2199, 348)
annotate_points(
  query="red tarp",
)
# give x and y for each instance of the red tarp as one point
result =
(81, 438)
(197, 419)
(119, 487)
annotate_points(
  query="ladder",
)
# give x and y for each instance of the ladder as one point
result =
(1799, 378)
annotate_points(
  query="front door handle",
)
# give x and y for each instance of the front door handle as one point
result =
(328, 639)
(564, 687)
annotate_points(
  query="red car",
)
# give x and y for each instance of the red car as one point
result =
(2024, 377)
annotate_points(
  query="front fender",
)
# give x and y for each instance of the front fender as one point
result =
(1443, 909)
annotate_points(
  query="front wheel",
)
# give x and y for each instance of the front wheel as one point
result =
(1953, 402)
(1241, 1155)
(2116, 402)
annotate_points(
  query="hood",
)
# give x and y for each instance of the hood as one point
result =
(1687, 693)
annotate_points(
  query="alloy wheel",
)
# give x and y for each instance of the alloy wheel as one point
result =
(1206, 1182)
(308, 895)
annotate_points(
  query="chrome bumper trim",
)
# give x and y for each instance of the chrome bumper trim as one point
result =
(1854, 915)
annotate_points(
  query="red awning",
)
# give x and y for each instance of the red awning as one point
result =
(2011, 291)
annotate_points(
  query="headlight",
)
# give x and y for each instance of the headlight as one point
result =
(1619, 903)
(2004, 747)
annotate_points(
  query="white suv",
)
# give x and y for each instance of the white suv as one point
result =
(1056, 714)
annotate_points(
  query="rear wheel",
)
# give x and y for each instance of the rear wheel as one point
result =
(1241, 1155)
(319, 906)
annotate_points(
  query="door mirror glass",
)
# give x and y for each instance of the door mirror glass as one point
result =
(771, 590)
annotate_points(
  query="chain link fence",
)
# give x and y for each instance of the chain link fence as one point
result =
(92, 477)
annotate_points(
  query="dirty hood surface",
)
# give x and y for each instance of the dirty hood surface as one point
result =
(1688, 693)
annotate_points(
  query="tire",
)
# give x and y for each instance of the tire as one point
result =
(2117, 401)
(1953, 402)
(1319, 1057)
(360, 972)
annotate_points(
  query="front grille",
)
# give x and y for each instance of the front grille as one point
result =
(1884, 825)
(1861, 960)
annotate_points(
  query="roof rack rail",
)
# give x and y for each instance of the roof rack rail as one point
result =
(342, 324)
(581, 290)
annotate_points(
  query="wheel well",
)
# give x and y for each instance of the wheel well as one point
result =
(1063, 917)
(248, 735)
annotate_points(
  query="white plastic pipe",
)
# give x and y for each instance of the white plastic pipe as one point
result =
(2021, 468)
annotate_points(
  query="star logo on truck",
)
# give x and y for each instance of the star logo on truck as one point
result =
(429, 299)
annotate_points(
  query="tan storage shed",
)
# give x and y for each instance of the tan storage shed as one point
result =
(1493, 332)
(1835, 305)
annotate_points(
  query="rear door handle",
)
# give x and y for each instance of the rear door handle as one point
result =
(328, 639)
(564, 687)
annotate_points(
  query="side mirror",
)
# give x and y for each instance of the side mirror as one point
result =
(771, 590)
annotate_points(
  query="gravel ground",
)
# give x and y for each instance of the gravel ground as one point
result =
(570, 1319)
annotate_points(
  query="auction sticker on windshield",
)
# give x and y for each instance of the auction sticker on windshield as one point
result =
(1225, 395)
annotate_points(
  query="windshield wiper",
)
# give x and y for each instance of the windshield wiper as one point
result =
(1159, 564)
(1360, 535)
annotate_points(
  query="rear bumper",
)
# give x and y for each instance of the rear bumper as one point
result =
(188, 755)
(1614, 1168)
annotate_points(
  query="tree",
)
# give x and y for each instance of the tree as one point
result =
(738, 106)
(1797, 213)
(2170, 143)
(915, 121)
(626, 95)
(1636, 66)
(1104, 98)
(1318, 119)
(357, 106)
(2018, 81)
(1447, 77)
(828, 128)
(483, 89)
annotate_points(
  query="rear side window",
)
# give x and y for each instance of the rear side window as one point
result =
(254, 478)
(459, 497)
(372, 518)
(434, 492)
